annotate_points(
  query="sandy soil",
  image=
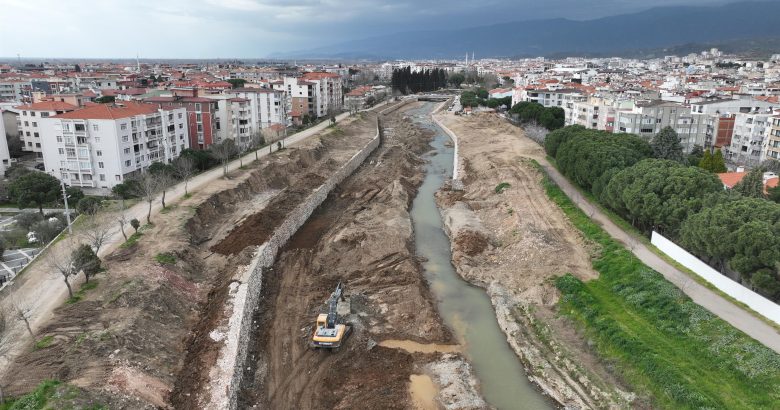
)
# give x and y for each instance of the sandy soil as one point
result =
(362, 235)
(140, 339)
(513, 243)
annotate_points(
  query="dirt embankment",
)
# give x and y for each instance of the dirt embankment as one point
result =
(140, 338)
(362, 236)
(513, 243)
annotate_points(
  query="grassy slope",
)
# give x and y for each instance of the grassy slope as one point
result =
(665, 345)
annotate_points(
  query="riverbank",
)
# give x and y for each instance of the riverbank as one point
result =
(508, 238)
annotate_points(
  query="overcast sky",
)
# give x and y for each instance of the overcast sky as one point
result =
(256, 28)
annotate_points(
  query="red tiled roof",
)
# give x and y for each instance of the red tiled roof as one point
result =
(730, 179)
(48, 106)
(109, 111)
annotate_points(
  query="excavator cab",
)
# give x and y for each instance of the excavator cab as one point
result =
(330, 332)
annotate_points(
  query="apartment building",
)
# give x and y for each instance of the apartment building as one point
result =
(16, 90)
(720, 113)
(5, 157)
(771, 148)
(30, 126)
(547, 97)
(104, 144)
(233, 119)
(313, 94)
(747, 142)
(201, 117)
(648, 118)
(593, 113)
(268, 106)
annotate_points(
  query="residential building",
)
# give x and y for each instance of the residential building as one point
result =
(268, 106)
(202, 121)
(747, 142)
(29, 122)
(5, 157)
(313, 94)
(102, 145)
(648, 118)
(233, 119)
(771, 149)
(16, 90)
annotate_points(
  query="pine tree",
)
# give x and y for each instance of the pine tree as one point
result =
(706, 161)
(752, 185)
(718, 163)
(666, 145)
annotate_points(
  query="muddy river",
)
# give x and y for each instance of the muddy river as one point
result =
(465, 308)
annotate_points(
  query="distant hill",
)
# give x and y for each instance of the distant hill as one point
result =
(654, 30)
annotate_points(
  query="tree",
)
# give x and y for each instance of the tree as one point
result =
(223, 152)
(696, 155)
(554, 139)
(237, 82)
(74, 194)
(659, 194)
(706, 161)
(125, 190)
(35, 188)
(718, 163)
(61, 261)
(184, 168)
(666, 145)
(96, 232)
(48, 229)
(774, 194)
(89, 205)
(752, 184)
(86, 260)
(147, 187)
(164, 173)
(456, 79)
(14, 145)
(135, 223)
(26, 220)
(769, 164)
(121, 218)
(105, 99)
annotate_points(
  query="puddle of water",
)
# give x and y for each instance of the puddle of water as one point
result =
(466, 309)
(414, 347)
(423, 392)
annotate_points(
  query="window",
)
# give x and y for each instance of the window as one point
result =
(100, 165)
(179, 115)
(125, 138)
(59, 139)
(32, 113)
(123, 126)
(26, 123)
(61, 151)
(27, 133)
(71, 152)
(35, 124)
(24, 113)
(80, 127)
(197, 108)
(97, 139)
(94, 127)
(37, 145)
(118, 177)
(44, 115)
(36, 135)
(83, 152)
(197, 117)
(127, 163)
(181, 125)
(84, 164)
(102, 177)
(127, 151)
(99, 153)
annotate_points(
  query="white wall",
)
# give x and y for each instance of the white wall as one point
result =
(758, 303)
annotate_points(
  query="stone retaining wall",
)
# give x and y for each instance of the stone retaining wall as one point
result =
(227, 375)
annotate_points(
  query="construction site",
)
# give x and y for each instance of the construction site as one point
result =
(342, 272)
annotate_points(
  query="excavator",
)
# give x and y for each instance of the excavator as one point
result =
(330, 331)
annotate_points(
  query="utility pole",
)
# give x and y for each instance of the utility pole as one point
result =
(67, 211)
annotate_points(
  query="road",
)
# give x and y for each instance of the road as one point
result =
(41, 290)
(703, 296)
(738, 317)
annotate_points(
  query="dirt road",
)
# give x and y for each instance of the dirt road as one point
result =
(510, 239)
(41, 290)
(361, 236)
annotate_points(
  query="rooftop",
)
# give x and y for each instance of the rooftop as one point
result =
(109, 111)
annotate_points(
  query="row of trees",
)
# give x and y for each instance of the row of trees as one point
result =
(405, 81)
(529, 112)
(655, 187)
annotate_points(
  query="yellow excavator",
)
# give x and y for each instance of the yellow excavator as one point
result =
(330, 331)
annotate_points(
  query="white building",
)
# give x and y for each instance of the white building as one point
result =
(747, 142)
(29, 122)
(5, 157)
(102, 145)
(233, 119)
(268, 106)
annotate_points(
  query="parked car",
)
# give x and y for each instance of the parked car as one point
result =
(40, 167)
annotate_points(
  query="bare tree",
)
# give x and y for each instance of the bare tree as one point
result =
(61, 260)
(121, 218)
(147, 187)
(536, 132)
(21, 312)
(184, 168)
(257, 141)
(5, 346)
(164, 181)
(96, 232)
(223, 152)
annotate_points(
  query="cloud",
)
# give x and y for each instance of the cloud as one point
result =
(252, 28)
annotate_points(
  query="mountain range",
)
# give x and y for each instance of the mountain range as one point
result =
(650, 31)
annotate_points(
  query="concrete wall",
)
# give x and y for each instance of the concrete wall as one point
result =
(228, 373)
(456, 156)
(758, 303)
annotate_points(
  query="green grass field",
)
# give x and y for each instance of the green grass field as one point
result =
(662, 343)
